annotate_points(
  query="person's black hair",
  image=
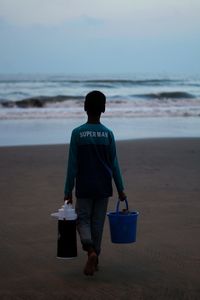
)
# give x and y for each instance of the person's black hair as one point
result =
(95, 102)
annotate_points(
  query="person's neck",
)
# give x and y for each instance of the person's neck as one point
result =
(93, 119)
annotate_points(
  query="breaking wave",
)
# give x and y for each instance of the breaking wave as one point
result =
(168, 95)
(60, 96)
(38, 102)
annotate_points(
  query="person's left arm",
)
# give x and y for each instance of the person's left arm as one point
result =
(116, 170)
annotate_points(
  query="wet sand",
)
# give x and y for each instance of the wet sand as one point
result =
(162, 178)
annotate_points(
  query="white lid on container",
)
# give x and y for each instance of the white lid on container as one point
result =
(67, 212)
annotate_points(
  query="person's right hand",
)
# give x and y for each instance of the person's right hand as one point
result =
(69, 199)
(122, 196)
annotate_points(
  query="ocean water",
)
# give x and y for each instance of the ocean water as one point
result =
(42, 109)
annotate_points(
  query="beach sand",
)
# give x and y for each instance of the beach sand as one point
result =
(162, 178)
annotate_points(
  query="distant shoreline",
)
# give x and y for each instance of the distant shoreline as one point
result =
(58, 131)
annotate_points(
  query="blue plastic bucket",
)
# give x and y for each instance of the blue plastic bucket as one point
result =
(123, 225)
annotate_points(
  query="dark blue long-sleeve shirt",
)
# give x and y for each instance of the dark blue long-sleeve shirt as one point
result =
(92, 162)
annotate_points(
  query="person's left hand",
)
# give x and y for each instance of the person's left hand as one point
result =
(122, 196)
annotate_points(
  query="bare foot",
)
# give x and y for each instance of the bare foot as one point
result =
(91, 264)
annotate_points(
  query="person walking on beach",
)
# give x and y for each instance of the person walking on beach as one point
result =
(92, 164)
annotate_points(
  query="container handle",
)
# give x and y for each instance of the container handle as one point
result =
(117, 206)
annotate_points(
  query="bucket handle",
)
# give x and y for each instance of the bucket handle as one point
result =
(117, 206)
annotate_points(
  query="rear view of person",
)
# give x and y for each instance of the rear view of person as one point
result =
(92, 164)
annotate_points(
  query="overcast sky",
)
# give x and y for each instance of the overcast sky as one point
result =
(104, 36)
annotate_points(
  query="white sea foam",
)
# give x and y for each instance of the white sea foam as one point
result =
(43, 109)
(60, 96)
(134, 108)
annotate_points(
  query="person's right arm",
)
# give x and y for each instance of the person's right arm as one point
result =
(71, 168)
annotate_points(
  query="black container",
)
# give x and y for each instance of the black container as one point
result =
(67, 242)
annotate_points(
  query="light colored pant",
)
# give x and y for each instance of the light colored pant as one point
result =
(90, 222)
